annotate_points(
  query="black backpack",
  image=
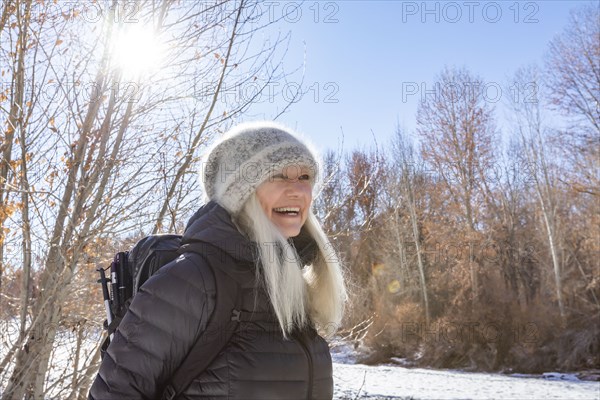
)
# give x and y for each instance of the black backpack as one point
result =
(129, 271)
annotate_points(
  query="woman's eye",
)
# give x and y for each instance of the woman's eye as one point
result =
(304, 177)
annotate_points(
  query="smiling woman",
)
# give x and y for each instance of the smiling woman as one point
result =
(286, 198)
(136, 50)
(260, 231)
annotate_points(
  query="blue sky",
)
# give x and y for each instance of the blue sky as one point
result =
(369, 55)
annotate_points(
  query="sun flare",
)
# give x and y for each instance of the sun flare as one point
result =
(137, 51)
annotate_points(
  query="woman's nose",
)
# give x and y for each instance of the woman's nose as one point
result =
(293, 189)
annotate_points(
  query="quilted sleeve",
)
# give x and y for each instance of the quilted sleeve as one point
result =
(171, 309)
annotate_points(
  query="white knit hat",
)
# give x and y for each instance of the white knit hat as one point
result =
(248, 155)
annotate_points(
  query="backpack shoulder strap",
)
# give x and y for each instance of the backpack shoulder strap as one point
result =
(221, 326)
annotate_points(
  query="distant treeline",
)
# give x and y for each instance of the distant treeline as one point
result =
(464, 252)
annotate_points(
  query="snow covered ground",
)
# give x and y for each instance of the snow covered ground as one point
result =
(356, 381)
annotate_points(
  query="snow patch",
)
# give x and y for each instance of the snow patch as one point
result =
(394, 382)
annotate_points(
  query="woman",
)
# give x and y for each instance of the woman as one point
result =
(259, 180)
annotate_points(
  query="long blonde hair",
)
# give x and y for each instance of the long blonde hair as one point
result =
(300, 296)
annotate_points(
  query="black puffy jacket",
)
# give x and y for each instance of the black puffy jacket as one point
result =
(172, 309)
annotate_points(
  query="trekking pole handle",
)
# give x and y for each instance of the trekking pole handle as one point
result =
(114, 285)
(106, 296)
(121, 261)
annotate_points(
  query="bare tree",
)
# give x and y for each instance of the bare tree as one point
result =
(529, 123)
(410, 173)
(103, 153)
(572, 75)
(365, 177)
(511, 221)
(458, 135)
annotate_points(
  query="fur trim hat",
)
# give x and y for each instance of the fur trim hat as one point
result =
(248, 155)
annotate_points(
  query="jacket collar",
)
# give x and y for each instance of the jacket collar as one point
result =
(212, 224)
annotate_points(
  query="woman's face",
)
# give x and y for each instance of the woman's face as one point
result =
(286, 199)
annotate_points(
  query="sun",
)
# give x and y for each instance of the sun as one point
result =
(136, 51)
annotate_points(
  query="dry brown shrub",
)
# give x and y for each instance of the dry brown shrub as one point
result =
(394, 333)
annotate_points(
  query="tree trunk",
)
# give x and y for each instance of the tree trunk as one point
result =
(26, 229)
(422, 281)
(15, 117)
(549, 222)
(401, 250)
(88, 376)
(75, 378)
